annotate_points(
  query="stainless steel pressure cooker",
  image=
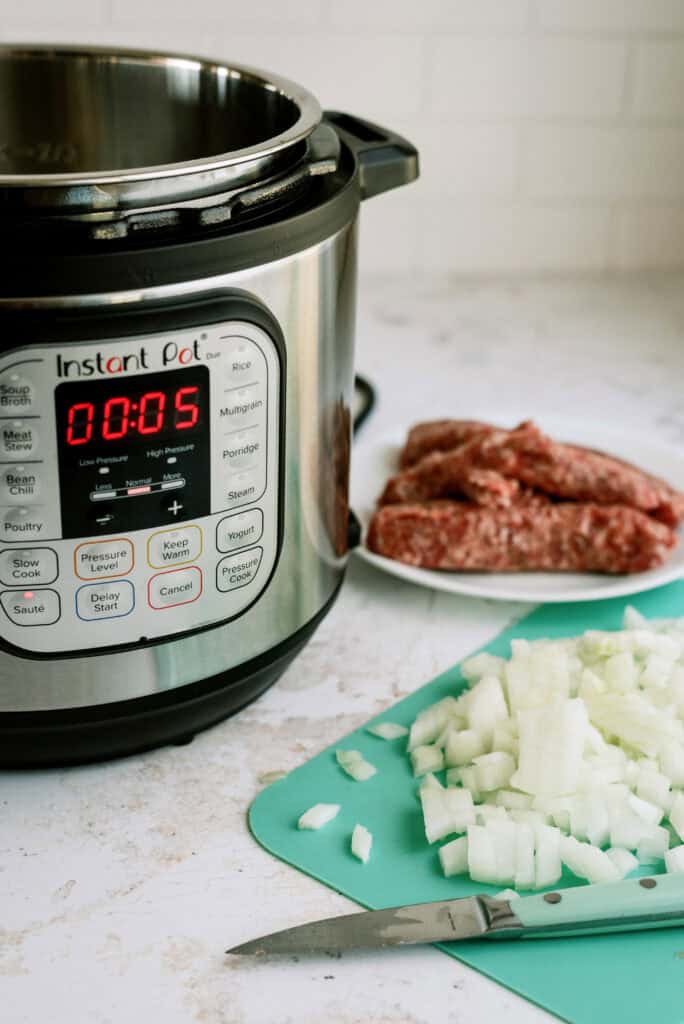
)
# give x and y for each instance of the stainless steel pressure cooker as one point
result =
(176, 366)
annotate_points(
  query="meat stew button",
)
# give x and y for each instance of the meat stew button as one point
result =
(238, 570)
(31, 607)
(27, 566)
(105, 600)
(177, 586)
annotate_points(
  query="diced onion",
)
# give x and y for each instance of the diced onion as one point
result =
(426, 759)
(387, 730)
(623, 860)
(355, 765)
(674, 860)
(318, 816)
(453, 857)
(361, 842)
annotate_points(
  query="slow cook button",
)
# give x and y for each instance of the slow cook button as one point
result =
(23, 524)
(31, 607)
(243, 448)
(177, 586)
(174, 547)
(243, 361)
(105, 600)
(18, 438)
(238, 570)
(101, 559)
(27, 566)
(242, 407)
(19, 485)
(17, 393)
(240, 530)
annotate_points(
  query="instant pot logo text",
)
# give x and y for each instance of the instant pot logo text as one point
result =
(109, 365)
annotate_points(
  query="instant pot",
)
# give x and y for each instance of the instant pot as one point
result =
(176, 370)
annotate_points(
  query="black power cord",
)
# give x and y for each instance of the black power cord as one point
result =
(367, 395)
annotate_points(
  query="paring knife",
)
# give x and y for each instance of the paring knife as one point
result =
(631, 905)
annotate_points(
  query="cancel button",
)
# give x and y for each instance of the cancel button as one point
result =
(238, 570)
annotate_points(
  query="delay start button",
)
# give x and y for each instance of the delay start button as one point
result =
(238, 570)
(31, 607)
(103, 559)
(174, 587)
(27, 566)
(105, 600)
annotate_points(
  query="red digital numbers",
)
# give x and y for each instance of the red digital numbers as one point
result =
(121, 416)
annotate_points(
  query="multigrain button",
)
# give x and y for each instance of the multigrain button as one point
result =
(22, 567)
(23, 524)
(102, 559)
(105, 600)
(17, 393)
(174, 547)
(18, 438)
(177, 586)
(31, 607)
(238, 570)
(240, 530)
(19, 485)
(242, 407)
(243, 361)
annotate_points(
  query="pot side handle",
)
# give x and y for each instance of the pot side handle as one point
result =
(385, 160)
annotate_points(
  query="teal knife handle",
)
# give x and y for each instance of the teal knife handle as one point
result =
(631, 905)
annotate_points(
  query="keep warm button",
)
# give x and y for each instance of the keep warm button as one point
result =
(238, 570)
(105, 600)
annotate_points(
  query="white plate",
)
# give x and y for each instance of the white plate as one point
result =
(374, 463)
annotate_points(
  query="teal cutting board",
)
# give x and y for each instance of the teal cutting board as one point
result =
(635, 978)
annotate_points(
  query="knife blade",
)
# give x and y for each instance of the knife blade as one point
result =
(632, 905)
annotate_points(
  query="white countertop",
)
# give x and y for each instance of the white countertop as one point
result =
(121, 884)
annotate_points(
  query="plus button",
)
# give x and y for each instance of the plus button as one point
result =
(174, 508)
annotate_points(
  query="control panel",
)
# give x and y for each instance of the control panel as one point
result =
(139, 485)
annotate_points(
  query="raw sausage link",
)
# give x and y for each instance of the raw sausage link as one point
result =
(563, 537)
(439, 436)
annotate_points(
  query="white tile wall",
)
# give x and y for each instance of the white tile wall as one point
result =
(551, 131)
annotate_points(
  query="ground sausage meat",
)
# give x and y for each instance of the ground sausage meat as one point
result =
(555, 537)
(439, 436)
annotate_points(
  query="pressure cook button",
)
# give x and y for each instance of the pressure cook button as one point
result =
(243, 448)
(244, 488)
(23, 524)
(31, 607)
(19, 485)
(238, 570)
(18, 438)
(174, 547)
(240, 530)
(102, 559)
(23, 567)
(105, 600)
(243, 361)
(242, 407)
(177, 586)
(17, 393)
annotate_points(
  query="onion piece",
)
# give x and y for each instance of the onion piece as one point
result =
(674, 860)
(462, 746)
(355, 765)
(318, 816)
(587, 861)
(493, 771)
(361, 842)
(453, 857)
(677, 814)
(426, 759)
(387, 730)
(446, 811)
(547, 858)
(623, 860)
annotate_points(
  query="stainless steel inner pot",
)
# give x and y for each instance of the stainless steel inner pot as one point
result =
(93, 128)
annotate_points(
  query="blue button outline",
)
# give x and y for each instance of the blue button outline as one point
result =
(103, 618)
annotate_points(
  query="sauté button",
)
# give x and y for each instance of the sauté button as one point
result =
(17, 393)
(31, 607)
(22, 567)
(23, 524)
(18, 438)
(177, 586)
(105, 600)
(19, 485)
(101, 559)
(240, 530)
(174, 547)
(238, 570)
(243, 361)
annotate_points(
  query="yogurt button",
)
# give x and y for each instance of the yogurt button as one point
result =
(17, 393)
(24, 567)
(18, 438)
(240, 530)
(31, 607)
(19, 485)
(23, 524)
